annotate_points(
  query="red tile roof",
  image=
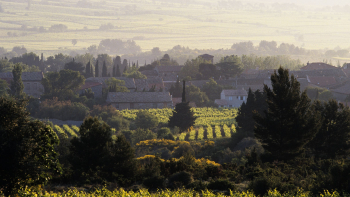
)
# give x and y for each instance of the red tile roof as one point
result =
(317, 66)
(321, 81)
(90, 84)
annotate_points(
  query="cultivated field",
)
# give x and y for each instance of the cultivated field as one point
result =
(202, 24)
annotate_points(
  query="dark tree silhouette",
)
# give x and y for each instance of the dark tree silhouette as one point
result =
(26, 148)
(289, 123)
(17, 86)
(182, 117)
(97, 70)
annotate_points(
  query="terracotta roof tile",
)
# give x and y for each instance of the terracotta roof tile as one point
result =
(317, 66)
(321, 81)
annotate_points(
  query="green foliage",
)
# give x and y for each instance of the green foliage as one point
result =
(26, 148)
(289, 123)
(17, 86)
(69, 130)
(321, 94)
(89, 153)
(191, 67)
(118, 122)
(332, 140)
(183, 117)
(255, 102)
(164, 133)
(230, 66)
(116, 85)
(142, 134)
(62, 110)
(222, 184)
(209, 132)
(194, 94)
(62, 85)
(180, 179)
(3, 88)
(212, 90)
(146, 120)
(74, 66)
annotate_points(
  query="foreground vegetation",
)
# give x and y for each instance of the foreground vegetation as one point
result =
(165, 193)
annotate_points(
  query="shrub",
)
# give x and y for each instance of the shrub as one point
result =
(155, 182)
(62, 110)
(221, 184)
(146, 120)
(118, 122)
(180, 179)
(198, 185)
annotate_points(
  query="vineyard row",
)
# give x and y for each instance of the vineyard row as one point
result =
(208, 132)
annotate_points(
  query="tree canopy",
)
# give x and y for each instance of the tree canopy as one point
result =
(289, 122)
(26, 148)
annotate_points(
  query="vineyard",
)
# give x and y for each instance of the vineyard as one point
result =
(205, 116)
(66, 131)
(208, 132)
(164, 193)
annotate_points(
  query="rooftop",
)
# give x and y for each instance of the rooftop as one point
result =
(317, 66)
(235, 92)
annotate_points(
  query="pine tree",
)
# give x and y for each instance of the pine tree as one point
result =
(117, 74)
(182, 117)
(104, 69)
(332, 139)
(17, 86)
(289, 123)
(97, 71)
(255, 102)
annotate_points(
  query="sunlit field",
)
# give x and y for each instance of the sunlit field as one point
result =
(155, 24)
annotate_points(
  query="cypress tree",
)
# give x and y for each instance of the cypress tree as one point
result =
(118, 60)
(182, 117)
(97, 71)
(117, 74)
(17, 86)
(289, 122)
(113, 73)
(256, 101)
(87, 69)
(104, 69)
(91, 71)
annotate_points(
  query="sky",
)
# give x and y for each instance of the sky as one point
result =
(316, 3)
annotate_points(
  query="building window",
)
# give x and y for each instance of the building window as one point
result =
(230, 98)
(230, 106)
(117, 105)
(241, 97)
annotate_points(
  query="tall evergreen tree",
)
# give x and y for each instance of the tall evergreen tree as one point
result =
(87, 69)
(183, 117)
(113, 73)
(256, 101)
(17, 86)
(97, 70)
(289, 123)
(125, 64)
(104, 69)
(118, 60)
(91, 71)
(332, 140)
(117, 73)
(176, 93)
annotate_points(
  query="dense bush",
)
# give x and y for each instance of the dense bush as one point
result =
(62, 110)
(221, 184)
(180, 179)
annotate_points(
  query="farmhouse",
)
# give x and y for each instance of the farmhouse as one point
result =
(232, 98)
(31, 81)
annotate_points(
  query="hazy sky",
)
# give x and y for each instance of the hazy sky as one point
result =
(316, 3)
